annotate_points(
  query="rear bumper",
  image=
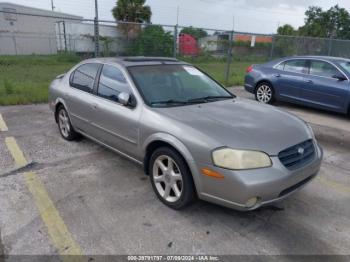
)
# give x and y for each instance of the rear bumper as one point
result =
(268, 185)
(249, 88)
(249, 83)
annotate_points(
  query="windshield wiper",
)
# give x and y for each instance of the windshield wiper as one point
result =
(208, 98)
(170, 102)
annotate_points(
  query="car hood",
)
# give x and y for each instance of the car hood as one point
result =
(241, 124)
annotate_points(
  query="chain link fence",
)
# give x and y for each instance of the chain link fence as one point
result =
(225, 53)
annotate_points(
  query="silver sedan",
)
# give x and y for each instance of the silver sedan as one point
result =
(193, 138)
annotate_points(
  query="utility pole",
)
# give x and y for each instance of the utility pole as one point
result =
(233, 23)
(176, 28)
(230, 51)
(178, 14)
(52, 6)
(97, 33)
(278, 26)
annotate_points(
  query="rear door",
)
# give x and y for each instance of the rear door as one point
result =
(322, 89)
(80, 97)
(290, 79)
(116, 125)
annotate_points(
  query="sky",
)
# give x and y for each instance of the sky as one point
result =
(255, 16)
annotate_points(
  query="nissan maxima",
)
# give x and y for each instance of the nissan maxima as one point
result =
(193, 137)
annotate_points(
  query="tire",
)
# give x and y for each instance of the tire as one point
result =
(64, 125)
(265, 93)
(173, 185)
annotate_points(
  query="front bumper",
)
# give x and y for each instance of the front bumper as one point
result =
(268, 184)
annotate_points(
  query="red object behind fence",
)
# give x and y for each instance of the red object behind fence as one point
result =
(188, 45)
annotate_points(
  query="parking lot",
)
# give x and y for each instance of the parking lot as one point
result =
(107, 205)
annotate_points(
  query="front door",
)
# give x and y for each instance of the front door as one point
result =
(322, 89)
(117, 125)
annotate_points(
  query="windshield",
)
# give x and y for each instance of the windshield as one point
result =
(345, 65)
(176, 85)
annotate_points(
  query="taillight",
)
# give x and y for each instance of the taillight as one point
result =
(249, 69)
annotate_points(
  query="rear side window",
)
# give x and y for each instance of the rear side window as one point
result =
(83, 77)
(322, 68)
(112, 83)
(296, 66)
(280, 66)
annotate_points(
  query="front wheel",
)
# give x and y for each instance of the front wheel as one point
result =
(171, 178)
(264, 93)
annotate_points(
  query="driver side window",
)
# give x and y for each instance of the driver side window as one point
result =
(324, 69)
(112, 83)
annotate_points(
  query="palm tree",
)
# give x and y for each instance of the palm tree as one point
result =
(132, 11)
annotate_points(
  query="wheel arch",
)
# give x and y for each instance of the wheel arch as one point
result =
(160, 140)
(262, 81)
(59, 102)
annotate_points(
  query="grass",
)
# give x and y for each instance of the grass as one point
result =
(217, 71)
(25, 79)
(216, 67)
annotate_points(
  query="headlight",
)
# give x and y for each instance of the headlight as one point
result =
(240, 159)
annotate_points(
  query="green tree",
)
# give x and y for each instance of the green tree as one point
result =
(286, 30)
(333, 23)
(195, 32)
(152, 41)
(132, 11)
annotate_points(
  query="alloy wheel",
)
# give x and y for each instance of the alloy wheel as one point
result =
(167, 178)
(264, 94)
(63, 122)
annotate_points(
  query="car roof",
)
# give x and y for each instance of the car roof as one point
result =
(327, 58)
(129, 61)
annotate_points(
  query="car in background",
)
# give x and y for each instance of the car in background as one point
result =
(193, 137)
(315, 81)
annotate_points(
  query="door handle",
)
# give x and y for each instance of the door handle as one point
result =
(277, 75)
(94, 106)
(309, 81)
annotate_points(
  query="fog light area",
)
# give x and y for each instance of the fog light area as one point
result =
(252, 202)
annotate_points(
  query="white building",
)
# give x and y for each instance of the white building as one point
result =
(79, 37)
(25, 30)
(28, 34)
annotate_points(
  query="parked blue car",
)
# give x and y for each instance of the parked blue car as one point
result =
(315, 81)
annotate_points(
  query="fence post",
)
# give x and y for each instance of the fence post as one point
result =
(50, 45)
(330, 46)
(59, 46)
(272, 47)
(15, 43)
(97, 39)
(175, 41)
(229, 57)
(64, 36)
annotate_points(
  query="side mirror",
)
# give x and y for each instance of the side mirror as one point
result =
(340, 77)
(124, 98)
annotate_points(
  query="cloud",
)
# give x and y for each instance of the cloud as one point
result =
(264, 3)
(280, 3)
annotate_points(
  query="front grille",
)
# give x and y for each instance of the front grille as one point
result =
(298, 156)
